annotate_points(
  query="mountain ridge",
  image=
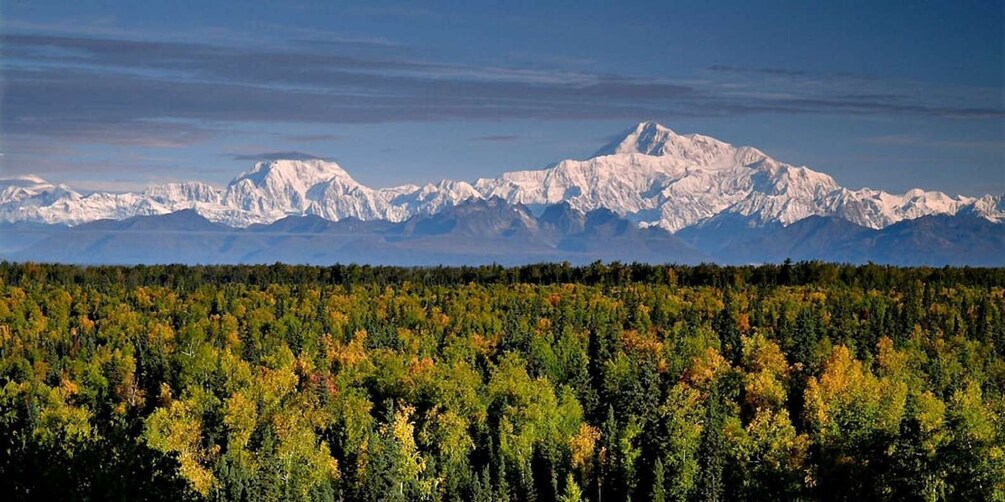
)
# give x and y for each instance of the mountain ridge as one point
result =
(652, 176)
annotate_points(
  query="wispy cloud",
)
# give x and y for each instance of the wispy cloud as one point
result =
(895, 140)
(163, 93)
(311, 138)
(766, 71)
(497, 138)
(892, 140)
(781, 90)
(995, 145)
(267, 156)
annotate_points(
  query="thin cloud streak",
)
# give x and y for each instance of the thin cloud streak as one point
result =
(161, 93)
(311, 138)
(268, 156)
(497, 138)
(896, 140)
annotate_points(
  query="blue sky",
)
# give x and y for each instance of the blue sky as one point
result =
(118, 95)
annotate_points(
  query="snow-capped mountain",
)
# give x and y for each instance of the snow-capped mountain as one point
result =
(268, 192)
(651, 176)
(430, 198)
(30, 198)
(989, 207)
(655, 176)
(273, 190)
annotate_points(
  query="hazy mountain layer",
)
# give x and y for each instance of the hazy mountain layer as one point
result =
(481, 231)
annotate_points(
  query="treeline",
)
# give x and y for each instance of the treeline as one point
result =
(185, 277)
(546, 382)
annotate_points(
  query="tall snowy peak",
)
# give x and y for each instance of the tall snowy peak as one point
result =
(281, 187)
(657, 177)
(273, 190)
(651, 138)
(299, 173)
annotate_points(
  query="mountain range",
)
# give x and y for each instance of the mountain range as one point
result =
(651, 195)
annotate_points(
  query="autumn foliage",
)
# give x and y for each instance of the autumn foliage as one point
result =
(608, 382)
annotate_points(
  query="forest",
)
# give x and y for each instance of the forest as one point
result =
(607, 382)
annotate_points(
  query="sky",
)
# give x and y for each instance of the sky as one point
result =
(118, 95)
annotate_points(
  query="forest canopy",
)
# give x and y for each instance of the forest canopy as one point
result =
(544, 382)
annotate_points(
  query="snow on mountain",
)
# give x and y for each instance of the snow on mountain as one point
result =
(430, 198)
(650, 138)
(34, 199)
(878, 209)
(281, 187)
(19, 194)
(651, 175)
(657, 177)
(30, 198)
(273, 190)
(989, 207)
(191, 191)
